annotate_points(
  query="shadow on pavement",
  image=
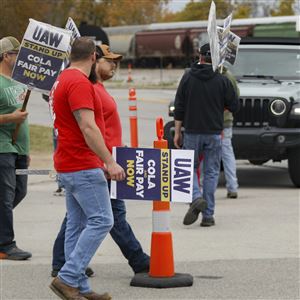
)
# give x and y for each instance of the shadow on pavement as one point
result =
(262, 177)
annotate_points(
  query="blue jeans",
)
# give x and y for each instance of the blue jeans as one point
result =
(13, 189)
(121, 233)
(210, 146)
(228, 160)
(89, 221)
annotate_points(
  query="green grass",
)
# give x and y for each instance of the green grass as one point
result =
(40, 139)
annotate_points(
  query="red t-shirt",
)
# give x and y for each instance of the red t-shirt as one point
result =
(73, 91)
(113, 128)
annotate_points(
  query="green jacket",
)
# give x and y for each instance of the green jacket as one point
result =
(228, 117)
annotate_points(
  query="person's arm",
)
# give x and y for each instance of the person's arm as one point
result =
(179, 112)
(178, 136)
(17, 117)
(231, 97)
(94, 139)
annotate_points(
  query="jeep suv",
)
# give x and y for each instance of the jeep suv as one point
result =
(267, 126)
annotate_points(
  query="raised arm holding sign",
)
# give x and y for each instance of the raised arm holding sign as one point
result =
(40, 58)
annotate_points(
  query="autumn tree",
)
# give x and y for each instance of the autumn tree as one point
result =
(286, 8)
(128, 12)
(199, 10)
(242, 11)
(15, 15)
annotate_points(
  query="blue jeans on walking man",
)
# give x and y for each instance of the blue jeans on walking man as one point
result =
(89, 221)
(229, 162)
(121, 233)
(210, 146)
(13, 189)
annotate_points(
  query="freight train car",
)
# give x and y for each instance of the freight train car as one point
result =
(176, 44)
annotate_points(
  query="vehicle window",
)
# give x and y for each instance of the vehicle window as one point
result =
(268, 62)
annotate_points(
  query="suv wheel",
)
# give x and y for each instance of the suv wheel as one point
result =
(169, 134)
(294, 165)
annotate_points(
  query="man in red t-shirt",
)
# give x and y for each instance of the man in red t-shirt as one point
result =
(79, 159)
(121, 232)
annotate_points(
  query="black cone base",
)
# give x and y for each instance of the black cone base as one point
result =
(178, 280)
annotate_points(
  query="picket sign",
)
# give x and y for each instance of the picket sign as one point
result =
(154, 174)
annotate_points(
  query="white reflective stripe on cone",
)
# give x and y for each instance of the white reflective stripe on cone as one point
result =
(132, 102)
(132, 113)
(160, 221)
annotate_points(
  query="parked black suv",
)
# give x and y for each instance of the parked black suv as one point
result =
(267, 126)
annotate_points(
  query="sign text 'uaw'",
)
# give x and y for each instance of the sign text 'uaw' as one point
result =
(42, 53)
(154, 174)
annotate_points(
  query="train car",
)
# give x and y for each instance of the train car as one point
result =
(176, 43)
(122, 39)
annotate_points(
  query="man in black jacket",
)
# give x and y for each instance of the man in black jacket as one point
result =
(200, 101)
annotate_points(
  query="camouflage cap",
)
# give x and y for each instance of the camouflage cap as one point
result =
(9, 43)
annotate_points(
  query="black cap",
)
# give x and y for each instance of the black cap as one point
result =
(205, 50)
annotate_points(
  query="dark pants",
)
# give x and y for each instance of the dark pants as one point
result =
(121, 233)
(13, 189)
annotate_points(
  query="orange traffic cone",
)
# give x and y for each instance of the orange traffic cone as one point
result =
(129, 79)
(161, 274)
(133, 118)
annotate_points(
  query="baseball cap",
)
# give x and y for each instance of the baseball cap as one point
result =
(205, 50)
(106, 53)
(9, 43)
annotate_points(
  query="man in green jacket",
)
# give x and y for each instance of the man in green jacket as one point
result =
(228, 157)
(12, 155)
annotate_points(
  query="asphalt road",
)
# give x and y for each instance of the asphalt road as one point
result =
(251, 253)
(150, 104)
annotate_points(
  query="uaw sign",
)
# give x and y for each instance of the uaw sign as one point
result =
(154, 174)
(213, 36)
(223, 34)
(75, 34)
(42, 53)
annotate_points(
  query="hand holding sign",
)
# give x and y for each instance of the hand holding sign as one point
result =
(115, 171)
(41, 55)
(19, 116)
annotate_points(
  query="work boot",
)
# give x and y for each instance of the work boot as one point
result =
(232, 195)
(65, 291)
(88, 272)
(94, 296)
(15, 254)
(192, 214)
(59, 192)
(207, 222)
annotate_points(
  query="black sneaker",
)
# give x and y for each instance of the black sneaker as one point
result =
(59, 192)
(207, 222)
(15, 254)
(232, 195)
(88, 272)
(192, 214)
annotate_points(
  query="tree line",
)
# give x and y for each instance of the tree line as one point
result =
(107, 13)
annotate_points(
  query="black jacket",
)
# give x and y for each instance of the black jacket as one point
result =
(201, 98)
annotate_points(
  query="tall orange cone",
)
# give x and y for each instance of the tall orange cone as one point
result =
(129, 78)
(161, 274)
(133, 118)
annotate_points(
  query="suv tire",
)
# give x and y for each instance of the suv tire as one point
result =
(168, 135)
(294, 165)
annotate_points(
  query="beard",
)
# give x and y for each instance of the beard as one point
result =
(106, 75)
(93, 74)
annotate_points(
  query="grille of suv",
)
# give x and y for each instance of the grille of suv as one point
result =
(254, 112)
